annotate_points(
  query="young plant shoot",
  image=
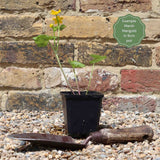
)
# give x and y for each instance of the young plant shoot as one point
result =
(44, 40)
(96, 59)
(76, 64)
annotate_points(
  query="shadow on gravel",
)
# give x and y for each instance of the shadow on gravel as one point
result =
(34, 148)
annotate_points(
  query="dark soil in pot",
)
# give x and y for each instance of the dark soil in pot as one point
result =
(81, 112)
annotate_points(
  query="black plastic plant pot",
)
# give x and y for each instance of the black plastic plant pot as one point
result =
(81, 112)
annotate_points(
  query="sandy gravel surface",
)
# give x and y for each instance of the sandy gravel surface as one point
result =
(52, 122)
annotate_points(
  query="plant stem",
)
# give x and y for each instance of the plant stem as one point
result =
(54, 40)
(59, 63)
(76, 81)
(63, 73)
(90, 78)
(58, 32)
(55, 51)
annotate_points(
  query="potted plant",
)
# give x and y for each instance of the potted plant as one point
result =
(81, 108)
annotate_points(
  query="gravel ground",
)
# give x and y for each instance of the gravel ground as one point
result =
(52, 122)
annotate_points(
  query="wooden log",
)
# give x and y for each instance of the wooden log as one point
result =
(111, 136)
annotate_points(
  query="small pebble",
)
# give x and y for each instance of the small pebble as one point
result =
(126, 150)
(1, 114)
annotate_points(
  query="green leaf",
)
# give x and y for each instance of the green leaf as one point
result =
(76, 64)
(96, 58)
(42, 40)
(62, 27)
(55, 28)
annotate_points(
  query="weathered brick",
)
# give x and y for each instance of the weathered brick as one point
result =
(112, 6)
(66, 5)
(102, 80)
(19, 26)
(29, 53)
(33, 101)
(116, 55)
(36, 4)
(130, 103)
(52, 77)
(158, 56)
(140, 80)
(85, 27)
(21, 78)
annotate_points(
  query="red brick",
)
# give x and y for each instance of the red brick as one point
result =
(130, 103)
(102, 80)
(112, 6)
(140, 80)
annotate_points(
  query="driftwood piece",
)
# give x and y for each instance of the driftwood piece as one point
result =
(111, 136)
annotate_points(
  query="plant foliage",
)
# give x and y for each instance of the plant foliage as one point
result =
(42, 40)
(76, 64)
(96, 58)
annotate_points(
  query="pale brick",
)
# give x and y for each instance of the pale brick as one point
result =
(34, 101)
(4, 97)
(36, 4)
(152, 28)
(158, 55)
(85, 27)
(22, 78)
(52, 77)
(1, 106)
(158, 106)
(156, 6)
(19, 26)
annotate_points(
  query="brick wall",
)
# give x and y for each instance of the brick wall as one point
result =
(30, 78)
